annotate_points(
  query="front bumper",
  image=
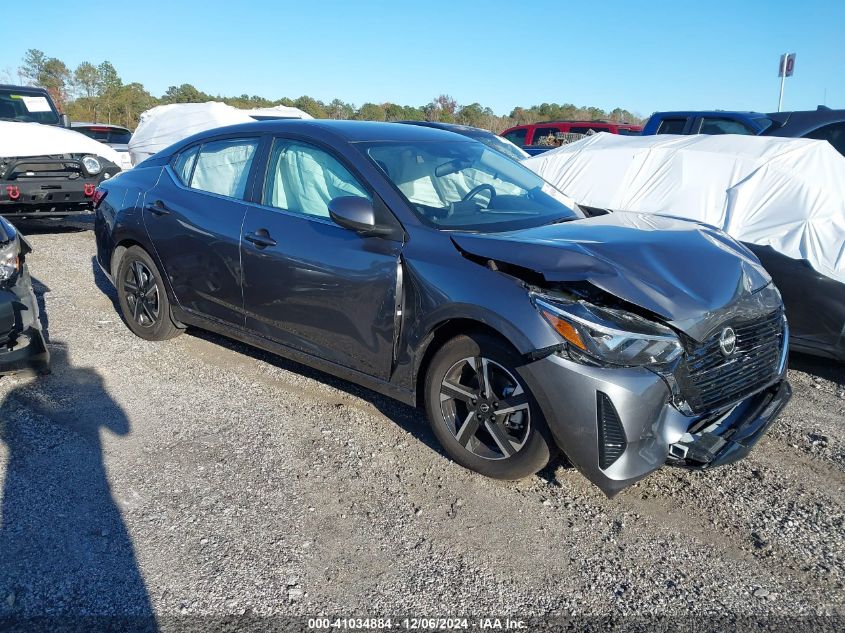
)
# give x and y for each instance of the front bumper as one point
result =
(41, 200)
(22, 345)
(652, 432)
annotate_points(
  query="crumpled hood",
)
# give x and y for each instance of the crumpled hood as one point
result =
(680, 270)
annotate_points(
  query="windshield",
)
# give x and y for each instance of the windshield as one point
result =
(466, 186)
(20, 104)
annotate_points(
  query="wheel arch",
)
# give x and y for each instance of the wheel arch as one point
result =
(441, 333)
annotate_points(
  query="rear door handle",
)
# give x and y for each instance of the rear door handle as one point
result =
(261, 238)
(158, 208)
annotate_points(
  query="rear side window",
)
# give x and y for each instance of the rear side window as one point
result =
(222, 167)
(184, 164)
(833, 134)
(671, 126)
(517, 137)
(723, 126)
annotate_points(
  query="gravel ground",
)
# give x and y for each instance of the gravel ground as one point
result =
(199, 476)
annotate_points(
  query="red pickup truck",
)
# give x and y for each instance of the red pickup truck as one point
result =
(527, 136)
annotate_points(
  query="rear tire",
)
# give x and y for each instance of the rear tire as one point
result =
(482, 411)
(142, 297)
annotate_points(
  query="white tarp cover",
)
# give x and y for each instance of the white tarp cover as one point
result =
(279, 111)
(34, 139)
(161, 126)
(780, 192)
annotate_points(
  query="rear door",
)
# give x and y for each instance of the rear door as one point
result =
(194, 215)
(308, 283)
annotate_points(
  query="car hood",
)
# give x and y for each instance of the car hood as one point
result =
(687, 273)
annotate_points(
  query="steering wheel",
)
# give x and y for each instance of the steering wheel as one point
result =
(476, 190)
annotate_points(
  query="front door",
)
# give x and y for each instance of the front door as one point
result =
(194, 216)
(309, 283)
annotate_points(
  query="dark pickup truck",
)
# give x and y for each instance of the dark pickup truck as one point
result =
(46, 186)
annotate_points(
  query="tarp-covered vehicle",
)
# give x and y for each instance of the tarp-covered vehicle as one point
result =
(164, 125)
(783, 198)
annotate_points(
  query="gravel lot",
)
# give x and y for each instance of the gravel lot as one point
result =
(199, 476)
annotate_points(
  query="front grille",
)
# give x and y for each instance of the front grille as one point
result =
(710, 380)
(612, 442)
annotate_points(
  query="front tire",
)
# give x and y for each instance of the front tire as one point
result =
(142, 297)
(482, 411)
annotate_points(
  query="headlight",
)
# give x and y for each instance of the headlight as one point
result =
(10, 263)
(609, 336)
(91, 164)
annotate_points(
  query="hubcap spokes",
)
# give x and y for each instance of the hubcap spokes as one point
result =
(139, 286)
(485, 407)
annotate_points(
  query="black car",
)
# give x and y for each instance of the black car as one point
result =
(823, 124)
(493, 141)
(21, 340)
(424, 265)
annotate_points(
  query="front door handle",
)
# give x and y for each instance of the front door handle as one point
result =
(261, 238)
(158, 208)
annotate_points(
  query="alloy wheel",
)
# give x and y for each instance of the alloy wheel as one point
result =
(141, 290)
(485, 408)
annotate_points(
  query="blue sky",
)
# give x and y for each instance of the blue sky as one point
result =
(643, 56)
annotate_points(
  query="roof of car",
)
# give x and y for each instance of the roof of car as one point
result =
(111, 126)
(350, 131)
(22, 88)
(449, 127)
(685, 113)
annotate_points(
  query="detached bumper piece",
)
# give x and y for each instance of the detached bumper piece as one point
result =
(731, 436)
(25, 351)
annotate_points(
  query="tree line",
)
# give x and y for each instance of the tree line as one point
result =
(96, 92)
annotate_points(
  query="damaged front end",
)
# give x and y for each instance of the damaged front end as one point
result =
(22, 345)
(673, 347)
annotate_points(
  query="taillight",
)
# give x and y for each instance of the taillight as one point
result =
(13, 191)
(98, 196)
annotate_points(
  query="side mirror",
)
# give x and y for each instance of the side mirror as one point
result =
(65, 119)
(358, 214)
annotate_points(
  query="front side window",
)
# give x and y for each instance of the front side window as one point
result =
(303, 178)
(723, 126)
(833, 134)
(457, 185)
(222, 167)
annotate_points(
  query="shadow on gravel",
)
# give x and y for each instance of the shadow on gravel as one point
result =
(65, 552)
(409, 418)
(824, 368)
(60, 225)
(103, 284)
